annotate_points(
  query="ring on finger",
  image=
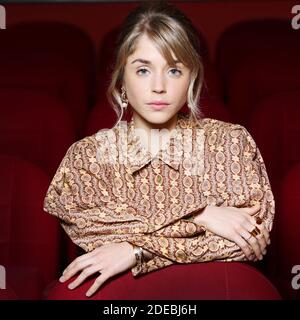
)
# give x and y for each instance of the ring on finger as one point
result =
(250, 236)
(255, 232)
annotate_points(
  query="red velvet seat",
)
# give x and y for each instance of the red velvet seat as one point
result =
(259, 76)
(243, 39)
(275, 127)
(29, 238)
(8, 294)
(214, 280)
(214, 108)
(55, 57)
(36, 127)
(212, 87)
(100, 116)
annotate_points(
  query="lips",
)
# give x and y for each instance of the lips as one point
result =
(158, 103)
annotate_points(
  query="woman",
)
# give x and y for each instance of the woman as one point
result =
(166, 187)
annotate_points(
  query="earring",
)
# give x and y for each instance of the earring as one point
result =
(124, 98)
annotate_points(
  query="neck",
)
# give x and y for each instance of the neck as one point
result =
(141, 123)
(153, 135)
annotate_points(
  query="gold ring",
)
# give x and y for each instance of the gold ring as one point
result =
(255, 232)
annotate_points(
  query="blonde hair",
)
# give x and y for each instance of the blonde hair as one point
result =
(171, 30)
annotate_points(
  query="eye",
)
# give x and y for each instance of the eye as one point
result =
(139, 71)
(176, 70)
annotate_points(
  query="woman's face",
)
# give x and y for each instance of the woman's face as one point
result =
(148, 79)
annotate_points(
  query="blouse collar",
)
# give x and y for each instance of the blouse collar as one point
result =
(171, 153)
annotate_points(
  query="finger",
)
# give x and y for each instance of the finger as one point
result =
(252, 210)
(258, 221)
(265, 232)
(83, 275)
(249, 226)
(74, 267)
(97, 284)
(267, 235)
(251, 218)
(256, 247)
(245, 235)
(262, 243)
(265, 240)
(79, 259)
(243, 245)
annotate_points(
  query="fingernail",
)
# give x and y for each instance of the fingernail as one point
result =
(261, 257)
(88, 294)
(258, 220)
(62, 279)
(70, 286)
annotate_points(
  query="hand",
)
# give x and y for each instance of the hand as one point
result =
(236, 224)
(109, 259)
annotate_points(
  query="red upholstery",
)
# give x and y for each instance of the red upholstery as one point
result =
(26, 280)
(51, 56)
(288, 231)
(212, 87)
(259, 76)
(35, 126)
(101, 116)
(214, 280)
(243, 39)
(275, 128)
(214, 108)
(29, 238)
(8, 294)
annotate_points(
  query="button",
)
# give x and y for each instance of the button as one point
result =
(159, 179)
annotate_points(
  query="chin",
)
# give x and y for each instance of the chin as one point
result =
(160, 116)
(159, 119)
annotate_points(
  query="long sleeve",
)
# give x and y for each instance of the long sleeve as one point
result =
(87, 198)
(235, 176)
(84, 196)
(79, 196)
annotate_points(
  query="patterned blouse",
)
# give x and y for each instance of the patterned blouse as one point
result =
(110, 188)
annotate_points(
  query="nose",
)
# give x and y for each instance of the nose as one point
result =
(159, 85)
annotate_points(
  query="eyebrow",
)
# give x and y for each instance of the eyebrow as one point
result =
(149, 62)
